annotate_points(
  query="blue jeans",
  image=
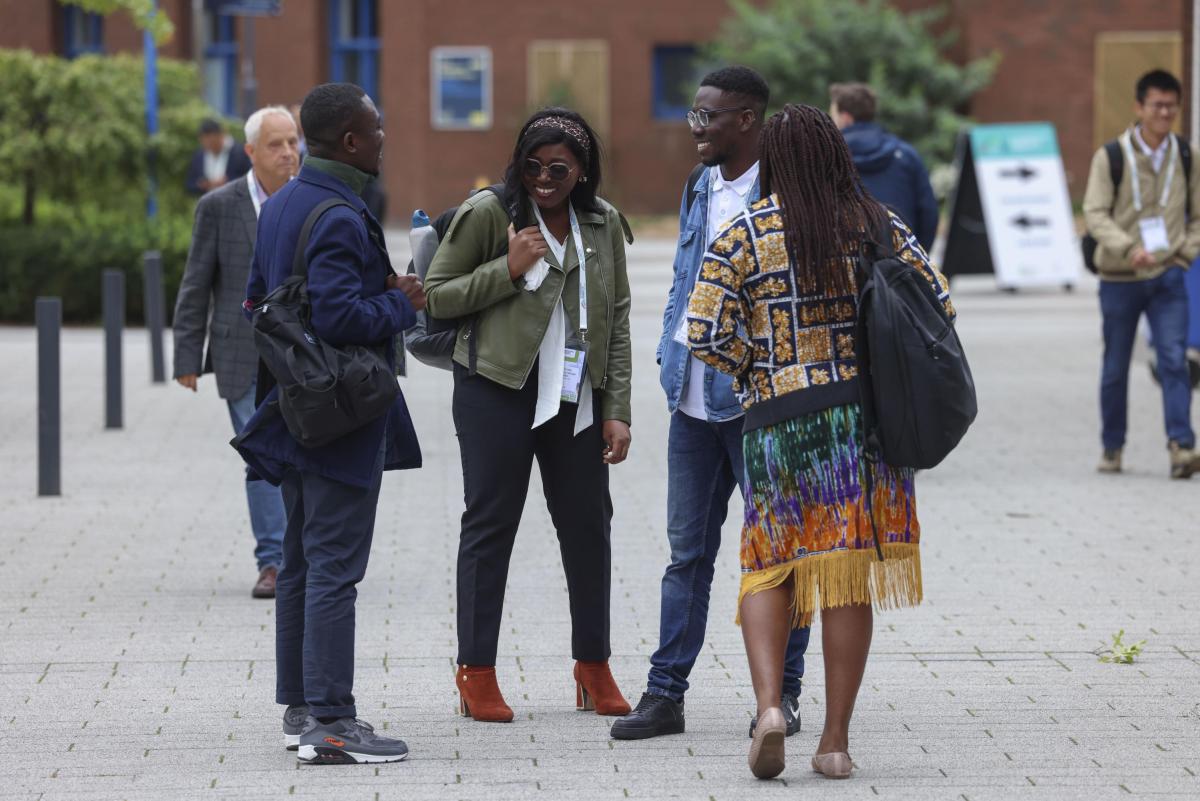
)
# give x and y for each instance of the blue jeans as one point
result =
(704, 464)
(1164, 302)
(267, 518)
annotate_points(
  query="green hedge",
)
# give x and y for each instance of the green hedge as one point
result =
(54, 259)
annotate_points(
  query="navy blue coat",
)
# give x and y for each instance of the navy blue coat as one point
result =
(348, 267)
(894, 173)
(237, 166)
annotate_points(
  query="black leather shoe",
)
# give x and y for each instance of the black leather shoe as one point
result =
(791, 714)
(654, 715)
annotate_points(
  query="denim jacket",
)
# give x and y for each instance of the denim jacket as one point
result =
(674, 358)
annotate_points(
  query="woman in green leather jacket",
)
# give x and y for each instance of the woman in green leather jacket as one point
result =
(541, 370)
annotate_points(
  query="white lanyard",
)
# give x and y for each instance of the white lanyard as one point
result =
(1135, 185)
(560, 252)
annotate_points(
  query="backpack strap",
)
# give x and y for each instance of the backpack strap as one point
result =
(299, 263)
(884, 248)
(1116, 168)
(692, 182)
(472, 346)
(1185, 155)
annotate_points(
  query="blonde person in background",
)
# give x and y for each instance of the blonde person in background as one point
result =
(209, 307)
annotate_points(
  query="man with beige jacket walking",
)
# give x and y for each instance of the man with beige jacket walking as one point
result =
(1147, 235)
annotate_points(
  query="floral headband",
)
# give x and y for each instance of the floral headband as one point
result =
(569, 127)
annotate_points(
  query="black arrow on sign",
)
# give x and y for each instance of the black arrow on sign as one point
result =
(1022, 172)
(1027, 222)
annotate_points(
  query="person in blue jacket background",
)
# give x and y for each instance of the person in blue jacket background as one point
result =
(330, 492)
(889, 167)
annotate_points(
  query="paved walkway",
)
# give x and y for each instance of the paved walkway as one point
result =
(134, 665)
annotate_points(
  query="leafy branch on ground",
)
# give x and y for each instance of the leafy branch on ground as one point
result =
(1120, 652)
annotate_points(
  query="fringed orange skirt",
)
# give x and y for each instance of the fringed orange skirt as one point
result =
(806, 518)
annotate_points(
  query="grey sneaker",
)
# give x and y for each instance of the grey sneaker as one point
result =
(1184, 461)
(293, 723)
(791, 714)
(1110, 462)
(346, 741)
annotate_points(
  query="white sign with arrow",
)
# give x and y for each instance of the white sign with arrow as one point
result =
(1026, 207)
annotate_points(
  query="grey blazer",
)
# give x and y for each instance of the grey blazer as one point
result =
(214, 280)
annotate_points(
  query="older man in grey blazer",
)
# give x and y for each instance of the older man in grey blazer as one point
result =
(209, 306)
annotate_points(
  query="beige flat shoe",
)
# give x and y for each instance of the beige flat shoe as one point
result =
(835, 765)
(766, 749)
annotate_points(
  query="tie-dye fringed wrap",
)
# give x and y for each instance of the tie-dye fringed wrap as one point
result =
(806, 518)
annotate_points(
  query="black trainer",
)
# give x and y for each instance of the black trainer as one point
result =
(346, 741)
(654, 715)
(791, 714)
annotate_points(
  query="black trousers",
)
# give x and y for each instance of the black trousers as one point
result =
(498, 448)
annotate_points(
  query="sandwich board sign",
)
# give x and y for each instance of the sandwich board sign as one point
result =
(1011, 214)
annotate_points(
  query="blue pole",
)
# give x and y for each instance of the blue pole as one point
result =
(150, 59)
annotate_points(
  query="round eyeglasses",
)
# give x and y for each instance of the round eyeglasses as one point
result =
(701, 117)
(557, 171)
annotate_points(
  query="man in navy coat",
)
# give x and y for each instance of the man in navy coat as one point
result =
(890, 167)
(330, 492)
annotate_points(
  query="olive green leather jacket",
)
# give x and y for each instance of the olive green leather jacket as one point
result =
(467, 278)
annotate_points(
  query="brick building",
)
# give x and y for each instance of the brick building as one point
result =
(456, 77)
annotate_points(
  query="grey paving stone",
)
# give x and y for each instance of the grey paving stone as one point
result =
(134, 664)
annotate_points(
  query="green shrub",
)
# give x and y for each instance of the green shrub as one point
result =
(802, 46)
(74, 131)
(50, 258)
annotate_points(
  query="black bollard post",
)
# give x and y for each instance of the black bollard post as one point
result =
(113, 300)
(152, 281)
(48, 314)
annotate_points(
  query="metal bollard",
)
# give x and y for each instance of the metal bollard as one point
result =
(154, 307)
(113, 300)
(48, 314)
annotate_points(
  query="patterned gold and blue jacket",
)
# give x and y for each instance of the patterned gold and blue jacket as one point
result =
(790, 353)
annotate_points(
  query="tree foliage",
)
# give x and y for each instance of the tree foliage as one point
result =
(802, 46)
(74, 131)
(144, 13)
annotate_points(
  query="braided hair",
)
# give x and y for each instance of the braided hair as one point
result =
(827, 212)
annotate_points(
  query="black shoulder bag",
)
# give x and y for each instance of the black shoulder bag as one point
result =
(325, 392)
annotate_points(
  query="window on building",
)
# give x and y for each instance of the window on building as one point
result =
(83, 32)
(676, 72)
(462, 88)
(572, 73)
(354, 43)
(220, 62)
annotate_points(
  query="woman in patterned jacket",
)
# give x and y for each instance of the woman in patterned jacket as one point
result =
(776, 306)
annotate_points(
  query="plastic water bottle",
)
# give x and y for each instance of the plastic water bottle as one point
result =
(423, 240)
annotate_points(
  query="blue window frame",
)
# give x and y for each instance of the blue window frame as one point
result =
(354, 43)
(220, 62)
(675, 74)
(83, 32)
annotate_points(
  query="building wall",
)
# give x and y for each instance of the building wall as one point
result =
(1048, 66)
(1046, 73)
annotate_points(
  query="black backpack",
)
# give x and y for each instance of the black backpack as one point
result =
(917, 393)
(325, 392)
(1116, 171)
(431, 340)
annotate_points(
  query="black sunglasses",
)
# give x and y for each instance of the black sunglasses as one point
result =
(557, 171)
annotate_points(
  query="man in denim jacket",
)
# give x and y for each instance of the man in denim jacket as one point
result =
(704, 446)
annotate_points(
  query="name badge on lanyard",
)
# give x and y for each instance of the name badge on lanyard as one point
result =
(576, 348)
(1154, 234)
